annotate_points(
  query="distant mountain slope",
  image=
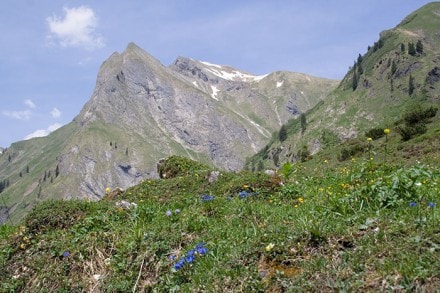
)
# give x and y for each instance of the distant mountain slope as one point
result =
(141, 111)
(398, 72)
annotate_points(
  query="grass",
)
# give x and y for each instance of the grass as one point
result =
(361, 227)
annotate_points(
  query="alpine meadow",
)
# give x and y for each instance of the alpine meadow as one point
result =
(198, 177)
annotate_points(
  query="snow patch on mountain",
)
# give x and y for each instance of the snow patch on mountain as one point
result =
(230, 73)
(215, 90)
(279, 83)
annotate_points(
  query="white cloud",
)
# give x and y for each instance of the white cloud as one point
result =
(20, 115)
(55, 113)
(29, 103)
(76, 28)
(43, 132)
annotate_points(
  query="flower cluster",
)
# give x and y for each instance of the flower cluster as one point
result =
(207, 197)
(190, 256)
(247, 191)
(244, 194)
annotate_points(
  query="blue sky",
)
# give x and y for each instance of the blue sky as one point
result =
(51, 50)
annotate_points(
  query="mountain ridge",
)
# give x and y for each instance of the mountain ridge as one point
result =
(141, 111)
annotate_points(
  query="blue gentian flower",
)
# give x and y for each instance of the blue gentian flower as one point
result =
(412, 204)
(190, 258)
(202, 250)
(172, 257)
(431, 204)
(168, 213)
(207, 197)
(178, 265)
(243, 194)
(201, 244)
(66, 253)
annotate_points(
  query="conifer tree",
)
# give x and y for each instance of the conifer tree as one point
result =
(402, 47)
(411, 49)
(282, 135)
(419, 47)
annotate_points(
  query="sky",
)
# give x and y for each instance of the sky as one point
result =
(51, 50)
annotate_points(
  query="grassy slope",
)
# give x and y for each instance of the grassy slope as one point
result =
(381, 97)
(364, 226)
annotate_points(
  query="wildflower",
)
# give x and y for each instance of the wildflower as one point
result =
(168, 213)
(300, 199)
(172, 257)
(108, 190)
(369, 139)
(269, 247)
(178, 265)
(412, 204)
(431, 204)
(386, 131)
(201, 249)
(418, 184)
(243, 194)
(66, 253)
(177, 211)
(190, 258)
(22, 246)
(296, 206)
(207, 197)
(325, 161)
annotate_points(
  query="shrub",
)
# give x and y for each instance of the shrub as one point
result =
(375, 133)
(175, 166)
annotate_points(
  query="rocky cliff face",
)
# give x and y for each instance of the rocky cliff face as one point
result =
(141, 111)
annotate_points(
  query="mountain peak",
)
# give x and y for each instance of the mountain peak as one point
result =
(204, 69)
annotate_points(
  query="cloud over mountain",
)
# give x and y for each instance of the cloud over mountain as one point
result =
(77, 28)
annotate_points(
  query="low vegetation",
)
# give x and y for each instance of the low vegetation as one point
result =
(362, 226)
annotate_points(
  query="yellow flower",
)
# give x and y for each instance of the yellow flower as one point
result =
(22, 246)
(269, 247)
(108, 190)
(386, 131)
(325, 161)
(300, 199)
(369, 139)
(296, 205)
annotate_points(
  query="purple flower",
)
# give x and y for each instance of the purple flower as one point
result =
(172, 257)
(66, 253)
(168, 213)
(412, 204)
(431, 204)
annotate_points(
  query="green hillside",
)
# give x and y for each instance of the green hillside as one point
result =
(362, 227)
(398, 73)
(344, 198)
